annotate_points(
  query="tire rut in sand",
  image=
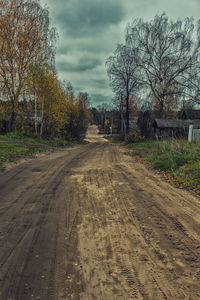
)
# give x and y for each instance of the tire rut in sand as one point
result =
(128, 242)
(35, 233)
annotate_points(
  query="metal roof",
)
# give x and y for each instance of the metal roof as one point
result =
(174, 123)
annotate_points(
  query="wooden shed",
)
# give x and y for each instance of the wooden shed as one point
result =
(164, 128)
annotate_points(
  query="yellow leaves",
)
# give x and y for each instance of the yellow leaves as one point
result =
(4, 108)
(23, 33)
(62, 113)
(24, 40)
(107, 122)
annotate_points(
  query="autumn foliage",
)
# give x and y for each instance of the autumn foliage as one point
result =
(32, 98)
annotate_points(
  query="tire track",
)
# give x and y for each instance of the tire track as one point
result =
(90, 223)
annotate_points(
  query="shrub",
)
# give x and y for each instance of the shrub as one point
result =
(134, 136)
(168, 161)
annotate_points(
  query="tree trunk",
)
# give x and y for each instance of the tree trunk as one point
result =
(36, 122)
(161, 108)
(13, 115)
(42, 119)
(121, 114)
(12, 121)
(127, 111)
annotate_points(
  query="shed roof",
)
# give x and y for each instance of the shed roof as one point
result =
(174, 123)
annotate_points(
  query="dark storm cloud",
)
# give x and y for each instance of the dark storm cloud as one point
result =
(83, 64)
(86, 17)
(98, 44)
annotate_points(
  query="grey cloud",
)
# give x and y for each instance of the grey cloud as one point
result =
(83, 64)
(90, 45)
(89, 31)
(86, 17)
(100, 83)
(98, 99)
(63, 49)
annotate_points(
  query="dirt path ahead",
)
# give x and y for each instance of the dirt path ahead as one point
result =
(91, 223)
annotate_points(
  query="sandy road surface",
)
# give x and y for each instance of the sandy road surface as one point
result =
(91, 223)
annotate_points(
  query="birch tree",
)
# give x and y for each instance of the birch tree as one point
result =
(122, 69)
(24, 39)
(168, 56)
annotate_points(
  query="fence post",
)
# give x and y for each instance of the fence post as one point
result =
(190, 133)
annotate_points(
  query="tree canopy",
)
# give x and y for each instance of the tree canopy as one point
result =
(28, 80)
(163, 58)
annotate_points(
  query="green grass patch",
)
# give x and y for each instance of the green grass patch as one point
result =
(178, 157)
(54, 142)
(11, 152)
(14, 136)
(188, 175)
(15, 145)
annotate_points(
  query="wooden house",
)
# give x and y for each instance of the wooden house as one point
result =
(163, 128)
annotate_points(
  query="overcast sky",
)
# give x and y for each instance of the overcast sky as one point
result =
(89, 31)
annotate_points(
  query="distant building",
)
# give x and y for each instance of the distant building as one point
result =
(133, 121)
(33, 116)
(162, 128)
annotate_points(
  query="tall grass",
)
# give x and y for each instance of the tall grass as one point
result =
(178, 157)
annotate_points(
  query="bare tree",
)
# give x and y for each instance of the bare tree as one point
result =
(122, 71)
(192, 86)
(168, 56)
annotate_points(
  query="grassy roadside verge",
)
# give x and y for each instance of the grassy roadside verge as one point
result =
(14, 146)
(16, 137)
(179, 160)
(10, 152)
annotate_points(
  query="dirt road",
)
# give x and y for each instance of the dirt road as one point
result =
(91, 223)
